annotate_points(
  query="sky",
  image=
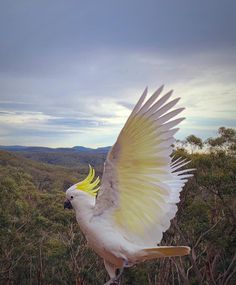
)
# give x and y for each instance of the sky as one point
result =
(72, 70)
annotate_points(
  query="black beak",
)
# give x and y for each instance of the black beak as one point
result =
(67, 205)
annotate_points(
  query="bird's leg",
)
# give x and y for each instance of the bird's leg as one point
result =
(114, 275)
(112, 282)
(119, 273)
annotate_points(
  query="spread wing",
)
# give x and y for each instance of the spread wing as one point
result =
(140, 185)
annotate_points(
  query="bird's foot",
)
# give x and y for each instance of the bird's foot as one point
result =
(119, 273)
(112, 282)
(117, 279)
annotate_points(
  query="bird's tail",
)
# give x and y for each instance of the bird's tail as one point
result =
(163, 251)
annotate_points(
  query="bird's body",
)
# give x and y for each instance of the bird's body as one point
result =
(138, 193)
(101, 234)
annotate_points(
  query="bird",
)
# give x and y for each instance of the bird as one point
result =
(124, 216)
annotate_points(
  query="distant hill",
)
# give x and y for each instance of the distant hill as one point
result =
(60, 149)
(13, 147)
(75, 157)
(94, 150)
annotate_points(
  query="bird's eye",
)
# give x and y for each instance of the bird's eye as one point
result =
(71, 197)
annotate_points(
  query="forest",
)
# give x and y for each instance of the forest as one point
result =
(41, 243)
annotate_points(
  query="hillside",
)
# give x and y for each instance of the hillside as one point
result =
(67, 159)
(76, 157)
(40, 242)
(38, 238)
(74, 160)
(79, 149)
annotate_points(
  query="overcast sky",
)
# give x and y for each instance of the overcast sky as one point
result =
(71, 71)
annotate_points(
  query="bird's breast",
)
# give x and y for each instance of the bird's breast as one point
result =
(105, 240)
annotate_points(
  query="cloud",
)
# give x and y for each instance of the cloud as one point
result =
(98, 100)
(71, 71)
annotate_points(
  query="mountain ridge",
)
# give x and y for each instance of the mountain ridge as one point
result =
(77, 149)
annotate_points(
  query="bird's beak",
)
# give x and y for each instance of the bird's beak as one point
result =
(67, 205)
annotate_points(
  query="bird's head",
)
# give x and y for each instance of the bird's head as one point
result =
(85, 187)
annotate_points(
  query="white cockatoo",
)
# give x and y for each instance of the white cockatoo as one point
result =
(124, 219)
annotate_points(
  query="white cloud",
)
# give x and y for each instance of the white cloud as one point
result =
(97, 91)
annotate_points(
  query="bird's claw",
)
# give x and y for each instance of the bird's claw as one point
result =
(112, 282)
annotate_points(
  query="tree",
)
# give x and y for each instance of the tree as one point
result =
(228, 134)
(226, 141)
(194, 142)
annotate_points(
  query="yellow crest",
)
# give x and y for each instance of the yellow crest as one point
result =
(87, 185)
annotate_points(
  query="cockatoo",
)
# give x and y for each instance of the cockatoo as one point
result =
(124, 219)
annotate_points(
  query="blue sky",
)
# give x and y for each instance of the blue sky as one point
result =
(71, 71)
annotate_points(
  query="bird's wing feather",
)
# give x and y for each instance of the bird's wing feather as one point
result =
(140, 185)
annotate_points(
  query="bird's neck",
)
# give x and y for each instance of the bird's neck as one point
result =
(84, 206)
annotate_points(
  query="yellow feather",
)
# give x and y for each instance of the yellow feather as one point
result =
(138, 172)
(87, 185)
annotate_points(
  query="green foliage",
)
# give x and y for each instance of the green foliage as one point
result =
(194, 141)
(226, 141)
(228, 134)
(38, 238)
(40, 242)
(213, 142)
